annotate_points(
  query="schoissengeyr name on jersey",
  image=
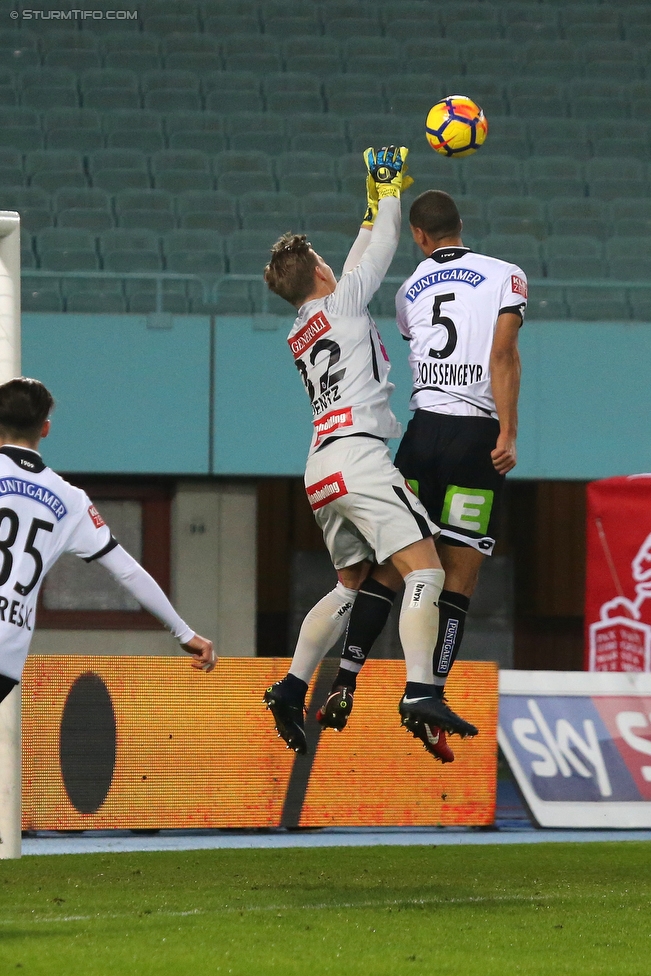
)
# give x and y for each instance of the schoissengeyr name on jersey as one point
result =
(432, 373)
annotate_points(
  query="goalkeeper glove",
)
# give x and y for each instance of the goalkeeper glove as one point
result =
(371, 203)
(388, 171)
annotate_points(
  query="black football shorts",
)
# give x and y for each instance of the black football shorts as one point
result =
(447, 461)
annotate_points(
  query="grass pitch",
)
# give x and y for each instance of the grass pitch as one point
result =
(384, 911)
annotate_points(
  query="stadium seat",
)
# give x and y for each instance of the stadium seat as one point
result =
(630, 211)
(141, 130)
(232, 298)
(301, 173)
(18, 50)
(559, 137)
(118, 169)
(73, 128)
(237, 172)
(248, 252)
(231, 91)
(611, 177)
(258, 44)
(83, 208)
(467, 31)
(293, 92)
(11, 168)
(640, 303)
(176, 24)
(74, 59)
(64, 249)
(125, 49)
(207, 211)
(547, 304)
(532, 97)
(194, 252)
(193, 43)
(149, 209)
(53, 168)
(203, 131)
(598, 304)
(545, 68)
(374, 130)
(339, 212)
(270, 211)
(579, 216)
(511, 135)
(131, 250)
(354, 94)
(628, 258)
(171, 91)
(574, 257)
(94, 85)
(48, 88)
(519, 249)
(32, 203)
(223, 25)
(101, 301)
(176, 171)
(517, 215)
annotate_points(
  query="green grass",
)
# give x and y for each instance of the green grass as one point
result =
(539, 910)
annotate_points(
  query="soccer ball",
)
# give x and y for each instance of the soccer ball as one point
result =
(456, 126)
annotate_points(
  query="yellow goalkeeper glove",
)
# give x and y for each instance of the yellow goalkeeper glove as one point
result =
(371, 203)
(388, 171)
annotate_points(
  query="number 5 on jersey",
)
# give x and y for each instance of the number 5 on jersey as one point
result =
(448, 325)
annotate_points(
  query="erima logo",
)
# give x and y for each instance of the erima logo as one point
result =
(464, 275)
(16, 486)
(417, 595)
(355, 652)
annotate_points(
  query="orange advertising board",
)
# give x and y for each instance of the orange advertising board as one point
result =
(143, 742)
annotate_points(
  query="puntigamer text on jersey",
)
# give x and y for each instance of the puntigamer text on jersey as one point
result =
(464, 275)
(16, 486)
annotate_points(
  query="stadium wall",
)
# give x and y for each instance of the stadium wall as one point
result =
(221, 396)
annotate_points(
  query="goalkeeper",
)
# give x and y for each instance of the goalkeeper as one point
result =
(360, 500)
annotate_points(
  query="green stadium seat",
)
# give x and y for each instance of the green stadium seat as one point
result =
(260, 63)
(576, 33)
(547, 304)
(511, 135)
(598, 305)
(141, 297)
(627, 147)
(64, 249)
(270, 211)
(587, 14)
(237, 172)
(97, 81)
(133, 42)
(194, 252)
(199, 62)
(559, 137)
(255, 44)
(312, 143)
(194, 43)
(149, 209)
(44, 297)
(529, 13)
(616, 177)
(207, 211)
(19, 50)
(621, 70)
(580, 216)
(106, 99)
(469, 13)
(32, 203)
(311, 124)
(74, 59)
(83, 208)
(321, 65)
(131, 250)
(138, 129)
(471, 207)
(519, 249)
(628, 258)
(232, 91)
(283, 27)
(468, 31)
(373, 130)
(354, 94)
(203, 131)
(20, 129)
(640, 302)
(223, 26)
(49, 87)
(233, 298)
(248, 252)
(637, 208)
(73, 40)
(176, 170)
(574, 257)
(73, 128)
(175, 24)
(332, 246)
(301, 173)
(333, 212)
(101, 300)
(250, 130)
(11, 168)
(146, 60)
(51, 169)
(560, 70)
(171, 91)
(293, 92)
(517, 215)
(118, 169)
(546, 50)
(565, 167)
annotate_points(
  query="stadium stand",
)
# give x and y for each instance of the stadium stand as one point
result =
(187, 138)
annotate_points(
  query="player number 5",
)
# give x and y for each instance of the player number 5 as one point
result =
(448, 324)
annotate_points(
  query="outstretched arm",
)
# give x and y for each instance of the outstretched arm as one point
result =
(130, 574)
(505, 383)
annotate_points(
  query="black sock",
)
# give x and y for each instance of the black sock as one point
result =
(416, 689)
(453, 608)
(295, 688)
(370, 613)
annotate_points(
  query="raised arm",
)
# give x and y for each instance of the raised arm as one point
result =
(505, 383)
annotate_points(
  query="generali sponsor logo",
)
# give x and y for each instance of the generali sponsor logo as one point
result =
(313, 329)
(323, 492)
(332, 421)
(518, 285)
(97, 519)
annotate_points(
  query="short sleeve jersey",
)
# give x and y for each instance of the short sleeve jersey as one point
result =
(448, 310)
(340, 356)
(41, 516)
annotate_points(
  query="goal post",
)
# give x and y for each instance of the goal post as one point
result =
(10, 708)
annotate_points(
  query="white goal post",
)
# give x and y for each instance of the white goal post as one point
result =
(10, 708)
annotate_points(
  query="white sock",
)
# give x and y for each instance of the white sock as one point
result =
(321, 629)
(419, 622)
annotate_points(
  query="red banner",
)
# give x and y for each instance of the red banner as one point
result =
(618, 581)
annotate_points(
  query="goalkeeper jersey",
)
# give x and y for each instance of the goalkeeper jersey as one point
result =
(448, 311)
(337, 348)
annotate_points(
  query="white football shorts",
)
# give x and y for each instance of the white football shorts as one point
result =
(362, 503)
